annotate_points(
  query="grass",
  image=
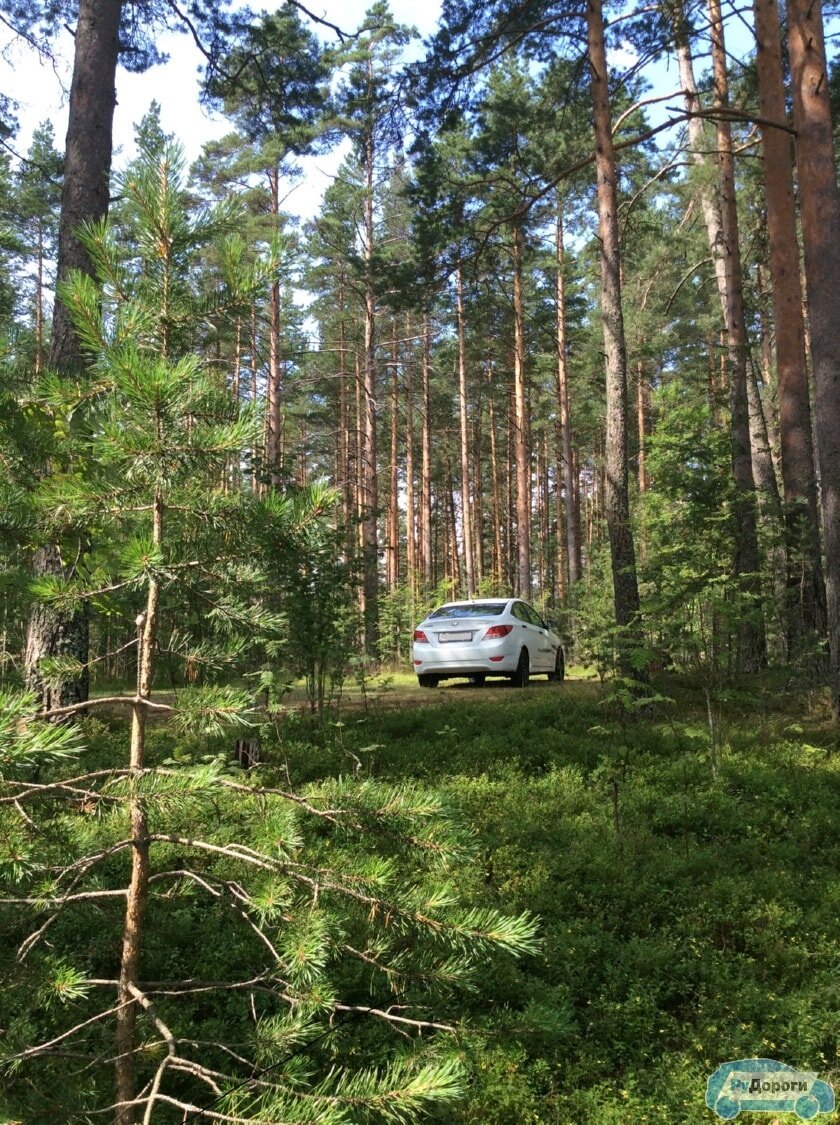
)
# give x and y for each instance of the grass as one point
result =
(688, 919)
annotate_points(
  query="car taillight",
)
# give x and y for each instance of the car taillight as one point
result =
(495, 631)
(419, 635)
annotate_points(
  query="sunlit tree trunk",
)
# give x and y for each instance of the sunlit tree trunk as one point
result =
(426, 461)
(571, 521)
(496, 496)
(344, 441)
(274, 390)
(805, 587)
(643, 424)
(820, 211)
(39, 302)
(748, 562)
(521, 450)
(393, 471)
(478, 489)
(466, 501)
(410, 497)
(616, 497)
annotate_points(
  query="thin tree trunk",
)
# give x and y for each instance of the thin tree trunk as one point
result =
(767, 490)
(572, 526)
(720, 216)
(410, 497)
(748, 562)
(426, 462)
(233, 471)
(138, 890)
(544, 554)
(466, 503)
(393, 471)
(359, 482)
(345, 445)
(39, 303)
(496, 494)
(511, 530)
(273, 404)
(521, 451)
(616, 497)
(805, 588)
(643, 424)
(370, 497)
(255, 397)
(478, 490)
(820, 210)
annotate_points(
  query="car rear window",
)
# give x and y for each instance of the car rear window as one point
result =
(474, 609)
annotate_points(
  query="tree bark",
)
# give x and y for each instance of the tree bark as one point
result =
(572, 523)
(84, 197)
(747, 563)
(616, 492)
(820, 212)
(426, 460)
(466, 500)
(496, 492)
(370, 494)
(805, 614)
(410, 499)
(138, 889)
(393, 471)
(521, 450)
(274, 390)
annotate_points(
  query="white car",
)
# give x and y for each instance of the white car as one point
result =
(486, 637)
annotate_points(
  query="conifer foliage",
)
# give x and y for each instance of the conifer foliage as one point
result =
(209, 938)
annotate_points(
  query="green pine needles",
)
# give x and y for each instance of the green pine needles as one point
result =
(184, 940)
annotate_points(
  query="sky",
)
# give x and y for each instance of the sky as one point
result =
(41, 92)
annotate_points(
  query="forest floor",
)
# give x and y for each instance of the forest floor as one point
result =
(689, 902)
(690, 915)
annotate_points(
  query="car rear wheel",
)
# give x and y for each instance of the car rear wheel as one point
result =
(479, 679)
(427, 680)
(522, 674)
(559, 673)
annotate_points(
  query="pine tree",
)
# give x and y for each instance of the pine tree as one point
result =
(253, 920)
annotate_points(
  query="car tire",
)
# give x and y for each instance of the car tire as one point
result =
(479, 679)
(522, 674)
(427, 680)
(559, 673)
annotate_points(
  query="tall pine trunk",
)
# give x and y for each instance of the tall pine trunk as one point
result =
(84, 198)
(410, 496)
(805, 588)
(393, 575)
(370, 493)
(466, 500)
(521, 450)
(616, 485)
(820, 210)
(747, 563)
(571, 522)
(274, 390)
(426, 459)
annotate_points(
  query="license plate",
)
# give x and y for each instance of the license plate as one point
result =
(446, 637)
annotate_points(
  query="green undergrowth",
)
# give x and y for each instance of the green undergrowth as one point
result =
(687, 919)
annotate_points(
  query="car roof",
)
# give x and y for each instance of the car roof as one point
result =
(480, 601)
